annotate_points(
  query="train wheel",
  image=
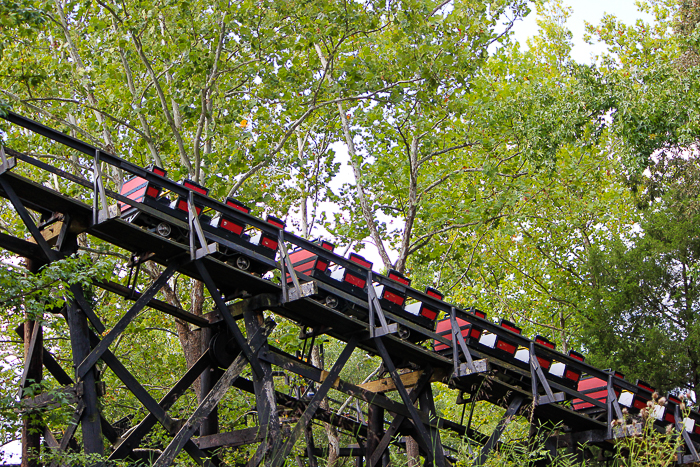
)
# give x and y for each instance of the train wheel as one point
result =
(403, 333)
(242, 263)
(163, 229)
(331, 301)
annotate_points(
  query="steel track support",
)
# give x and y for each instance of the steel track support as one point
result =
(613, 407)
(513, 408)
(279, 455)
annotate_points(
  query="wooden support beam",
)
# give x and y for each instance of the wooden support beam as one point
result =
(144, 427)
(129, 316)
(232, 439)
(409, 380)
(212, 399)
(375, 433)
(31, 424)
(149, 403)
(423, 436)
(80, 343)
(209, 377)
(310, 447)
(264, 384)
(428, 406)
(226, 314)
(375, 454)
(60, 375)
(281, 454)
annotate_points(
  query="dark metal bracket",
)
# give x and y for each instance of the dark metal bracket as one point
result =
(5, 162)
(458, 343)
(693, 456)
(613, 406)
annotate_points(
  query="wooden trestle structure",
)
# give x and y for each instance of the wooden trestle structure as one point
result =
(247, 300)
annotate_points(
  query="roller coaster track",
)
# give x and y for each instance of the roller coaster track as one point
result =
(480, 359)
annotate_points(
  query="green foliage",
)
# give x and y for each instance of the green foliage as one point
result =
(642, 315)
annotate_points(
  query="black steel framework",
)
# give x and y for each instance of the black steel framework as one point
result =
(474, 370)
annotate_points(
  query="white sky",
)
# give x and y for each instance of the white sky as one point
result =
(591, 11)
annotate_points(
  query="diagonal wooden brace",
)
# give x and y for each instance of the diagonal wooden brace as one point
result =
(230, 322)
(513, 408)
(389, 434)
(128, 317)
(147, 400)
(212, 399)
(423, 436)
(134, 439)
(280, 455)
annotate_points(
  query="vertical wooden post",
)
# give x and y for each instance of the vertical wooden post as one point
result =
(210, 425)
(80, 343)
(375, 428)
(264, 385)
(33, 352)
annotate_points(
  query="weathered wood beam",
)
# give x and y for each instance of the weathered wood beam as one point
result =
(408, 379)
(281, 454)
(53, 399)
(232, 439)
(212, 399)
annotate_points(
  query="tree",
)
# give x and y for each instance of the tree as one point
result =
(643, 313)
